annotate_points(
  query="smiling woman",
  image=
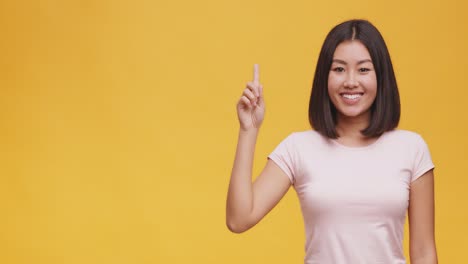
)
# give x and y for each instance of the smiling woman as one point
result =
(352, 84)
(355, 56)
(354, 173)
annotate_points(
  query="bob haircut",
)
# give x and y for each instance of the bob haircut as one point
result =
(385, 110)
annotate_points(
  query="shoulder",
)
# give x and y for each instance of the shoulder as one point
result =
(305, 136)
(405, 139)
(305, 141)
(402, 135)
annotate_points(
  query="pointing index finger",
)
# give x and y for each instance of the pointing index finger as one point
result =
(256, 74)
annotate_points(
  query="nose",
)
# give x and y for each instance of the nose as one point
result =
(350, 81)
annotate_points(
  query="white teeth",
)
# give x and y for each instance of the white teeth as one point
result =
(351, 96)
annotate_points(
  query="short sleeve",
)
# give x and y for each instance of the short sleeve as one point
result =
(284, 156)
(422, 159)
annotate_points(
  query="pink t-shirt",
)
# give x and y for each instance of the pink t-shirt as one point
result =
(353, 199)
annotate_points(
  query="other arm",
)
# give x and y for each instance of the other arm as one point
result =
(421, 220)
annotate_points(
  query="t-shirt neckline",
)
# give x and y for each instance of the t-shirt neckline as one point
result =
(373, 144)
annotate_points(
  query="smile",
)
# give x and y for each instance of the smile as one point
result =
(352, 96)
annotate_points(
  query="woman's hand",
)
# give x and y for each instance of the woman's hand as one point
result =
(251, 106)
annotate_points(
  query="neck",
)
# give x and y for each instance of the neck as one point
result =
(350, 127)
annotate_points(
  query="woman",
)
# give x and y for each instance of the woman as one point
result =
(355, 174)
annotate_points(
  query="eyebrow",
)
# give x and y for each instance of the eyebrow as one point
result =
(344, 62)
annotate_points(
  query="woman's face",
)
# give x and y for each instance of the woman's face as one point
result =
(352, 82)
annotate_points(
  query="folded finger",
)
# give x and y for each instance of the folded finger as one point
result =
(249, 95)
(254, 88)
(246, 101)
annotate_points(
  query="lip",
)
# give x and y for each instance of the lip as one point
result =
(352, 93)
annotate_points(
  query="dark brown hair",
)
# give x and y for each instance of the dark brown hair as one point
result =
(385, 110)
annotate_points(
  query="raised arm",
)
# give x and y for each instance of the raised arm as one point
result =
(248, 203)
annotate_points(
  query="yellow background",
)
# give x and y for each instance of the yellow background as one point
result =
(118, 121)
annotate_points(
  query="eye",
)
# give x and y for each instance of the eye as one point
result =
(338, 69)
(364, 69)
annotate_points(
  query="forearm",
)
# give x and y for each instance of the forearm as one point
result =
(240, 196)
(427, 258)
